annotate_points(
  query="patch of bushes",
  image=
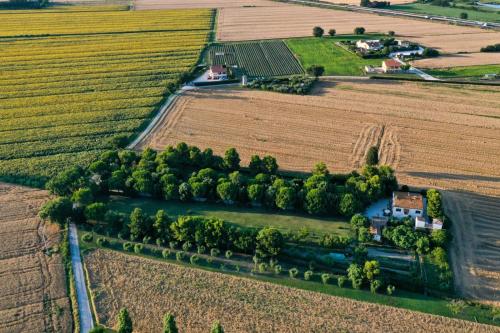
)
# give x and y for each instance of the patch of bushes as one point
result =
(297, 84)
(491, 48)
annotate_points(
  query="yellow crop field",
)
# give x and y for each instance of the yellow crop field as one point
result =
(70, 82)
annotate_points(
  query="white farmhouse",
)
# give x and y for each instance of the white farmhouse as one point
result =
(217, 72)
(407, 204)
(369, 45)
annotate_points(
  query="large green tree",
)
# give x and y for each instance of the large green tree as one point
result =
(232, 159)
(270, 241)
(124, 322)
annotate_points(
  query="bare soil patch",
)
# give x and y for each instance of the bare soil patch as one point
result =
(33, 288)
(150, 288)
(443, 136)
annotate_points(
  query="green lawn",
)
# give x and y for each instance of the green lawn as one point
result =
(323, 51)
(420, 8)
(469, 71)
(245, 217)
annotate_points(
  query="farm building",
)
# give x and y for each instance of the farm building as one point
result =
(217, 72)
(369, 45)
(376, 225)
(406, 204)
(422, 224)
(391, 66)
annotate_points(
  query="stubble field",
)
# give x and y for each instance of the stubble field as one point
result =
(443, 136)
(150, 288)
(251, 23)
(33, 289)
(176, 4)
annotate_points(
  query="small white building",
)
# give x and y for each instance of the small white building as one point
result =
(391, 66)
(422, 224)
(217, 72)
(376, 225)
(406, 204)
(369, 45)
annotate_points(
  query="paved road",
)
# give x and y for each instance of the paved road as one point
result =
(86, 322)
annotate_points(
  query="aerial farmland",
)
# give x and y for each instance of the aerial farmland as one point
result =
(249, 166)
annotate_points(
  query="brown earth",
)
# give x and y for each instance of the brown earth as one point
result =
(33, 288)
(149, 289)
(443, 136)
(356, 2)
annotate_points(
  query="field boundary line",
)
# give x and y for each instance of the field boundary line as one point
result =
(158, 119)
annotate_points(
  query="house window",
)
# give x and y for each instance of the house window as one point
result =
(398, 209)
(417, 212)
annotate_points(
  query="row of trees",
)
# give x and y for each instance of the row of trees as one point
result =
(185, 173)
(319, 31)
(125, 325)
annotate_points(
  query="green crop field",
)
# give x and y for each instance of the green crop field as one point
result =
(486, 15)
(256, 59)
(324, 51)
(468, 71)
(70, 82)
(244, 217)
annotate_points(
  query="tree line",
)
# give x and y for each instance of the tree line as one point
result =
(186, 173)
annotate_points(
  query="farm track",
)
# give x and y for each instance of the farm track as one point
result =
(369, 137)
(33, 284)
(390, 148)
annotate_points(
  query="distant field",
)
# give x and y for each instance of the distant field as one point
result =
(324, 51)
(256, 59)
(460, 60)
(63, 97)
(176, 4)
(243, 217)
(254, 23)
(421, 8)
(150, 288)
(470, 71)
(33, 296)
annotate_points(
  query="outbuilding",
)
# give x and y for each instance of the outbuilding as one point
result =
(217, 72)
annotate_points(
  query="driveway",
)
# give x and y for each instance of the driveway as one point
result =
(86, 322)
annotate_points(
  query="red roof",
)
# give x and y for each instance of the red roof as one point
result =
(392, 63)
(218, 69)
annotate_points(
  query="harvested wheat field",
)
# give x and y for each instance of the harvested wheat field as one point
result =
(444, 136)
(149, 288)
(176, 4)
(434, 135)
(356, 3)
(476, 223)
(33, 287)
(252, 23)
(456, 60)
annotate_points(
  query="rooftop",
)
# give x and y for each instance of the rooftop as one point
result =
(408, 200)
(392, 63)
(218, 69)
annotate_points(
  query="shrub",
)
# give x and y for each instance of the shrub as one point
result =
(372, 156)
(491, 48)
(359, 31)
(391, 33)
(101, 241)
(166, 253)
(318, 32)
(277, 269)
(87, 237)
(146, 240)
(390, 289)
(173, 245)
(357, 283)
(187, 246)
(430, 52)
(179, 256)
(325, 278)
(229, 254)
(214, 252)
(456, 306)
(375, 285)
(464, 15)
(308, 275)
(201, 249)
(315, 70)
(332, 32)
(194, 259)
(127, 246)
(138, 248)
(341, 281)
(293, 272)
(262, 267)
